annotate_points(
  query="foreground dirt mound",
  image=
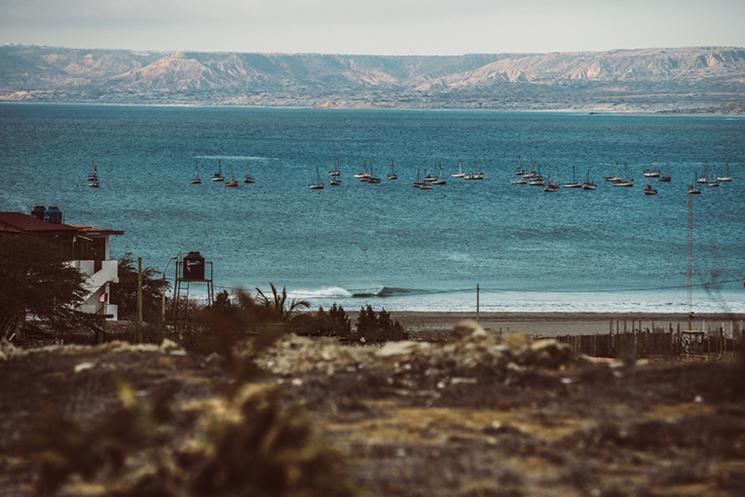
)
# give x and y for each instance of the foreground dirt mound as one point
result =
(480, 416)
(478, 353)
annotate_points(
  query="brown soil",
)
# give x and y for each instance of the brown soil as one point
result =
(665, 429)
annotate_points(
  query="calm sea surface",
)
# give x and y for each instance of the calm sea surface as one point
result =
(391, 244)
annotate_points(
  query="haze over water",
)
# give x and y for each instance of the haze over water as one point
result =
(390, 244)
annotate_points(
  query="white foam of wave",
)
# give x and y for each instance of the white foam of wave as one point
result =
(321, 293)
(235, 157)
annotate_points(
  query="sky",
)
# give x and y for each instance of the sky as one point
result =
(400, 27)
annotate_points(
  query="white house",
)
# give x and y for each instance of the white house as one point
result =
(87, 248)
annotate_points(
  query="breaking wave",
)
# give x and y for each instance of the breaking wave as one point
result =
(322, 293)
(388, 291)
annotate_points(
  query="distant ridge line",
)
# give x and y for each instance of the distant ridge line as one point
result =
(687, 79)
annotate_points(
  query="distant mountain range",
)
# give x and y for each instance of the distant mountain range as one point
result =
(701, 79)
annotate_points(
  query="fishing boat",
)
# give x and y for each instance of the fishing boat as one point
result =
(476, 175)
(627, 183)
(248, 178)
(649, 190)
(652, 173)
(551, 187)
(574, 183)
(364, 174)
(441, 180)
(613, 179)
(693, 189)
(318, 185)
(93, 181)
(418, 183)
(703, 179)
(536, 181)
(666, 178)
(233, 183)
(460, 173)
(218, 176)
(372, 179)
(428, 178)
(93, 174)
(196, 180)
(624, 182)
(727, 178)
(589, 185)
(335, 171)
(392, 175)
(519, 171)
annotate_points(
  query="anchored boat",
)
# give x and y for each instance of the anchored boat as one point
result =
(196, 180)
(727, 178)
(649, 190)
(335, 171)
(392, 175)
(318, 185)
(218, 176)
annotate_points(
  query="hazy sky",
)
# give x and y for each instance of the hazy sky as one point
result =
(373, 26)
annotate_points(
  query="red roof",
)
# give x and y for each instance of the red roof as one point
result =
(17, 221)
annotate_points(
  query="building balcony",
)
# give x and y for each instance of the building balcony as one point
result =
(98, 272)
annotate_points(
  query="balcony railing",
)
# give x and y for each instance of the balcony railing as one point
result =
(98, 272)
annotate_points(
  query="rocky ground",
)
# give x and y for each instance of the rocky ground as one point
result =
(474, 416)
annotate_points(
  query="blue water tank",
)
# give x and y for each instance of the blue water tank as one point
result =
(53, 215)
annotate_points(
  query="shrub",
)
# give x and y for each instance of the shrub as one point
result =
(335, 322)
(378, 327)
(124, 293)
(249, 445)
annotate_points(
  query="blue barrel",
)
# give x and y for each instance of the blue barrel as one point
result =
(53, 215)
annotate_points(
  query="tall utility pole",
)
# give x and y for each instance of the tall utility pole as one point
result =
(478, 302)
(139, 290)
(690, 262)
(163, 294)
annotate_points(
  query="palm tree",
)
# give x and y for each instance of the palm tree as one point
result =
(278, 302)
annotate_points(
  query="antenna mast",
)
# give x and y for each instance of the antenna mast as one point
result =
(690, 263)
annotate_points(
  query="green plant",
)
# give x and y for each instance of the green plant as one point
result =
(248, 445)
(378, 327)
(335, 322)
(124, 293)
(278, 302)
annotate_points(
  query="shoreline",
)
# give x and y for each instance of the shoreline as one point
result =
(439, 324)
(207, 105)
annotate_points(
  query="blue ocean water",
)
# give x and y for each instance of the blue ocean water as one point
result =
(391, 244)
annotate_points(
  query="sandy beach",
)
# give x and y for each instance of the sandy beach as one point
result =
(440, 324)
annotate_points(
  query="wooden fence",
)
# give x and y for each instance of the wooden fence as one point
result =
(648, 343)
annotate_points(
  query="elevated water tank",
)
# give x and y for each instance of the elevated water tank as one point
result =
(53, 215)
(193, 267)
(38, 212)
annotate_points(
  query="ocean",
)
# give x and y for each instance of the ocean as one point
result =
(392, 245)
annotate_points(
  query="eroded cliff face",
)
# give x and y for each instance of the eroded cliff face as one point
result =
(702, 78)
